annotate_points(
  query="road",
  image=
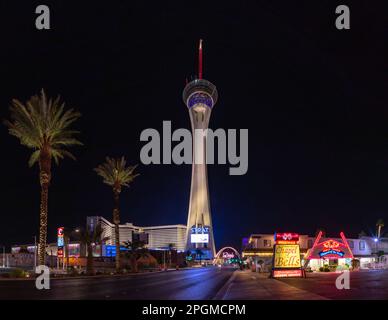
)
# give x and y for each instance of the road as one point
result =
(203, 284)
(198, 283)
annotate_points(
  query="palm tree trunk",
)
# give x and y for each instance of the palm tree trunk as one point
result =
(43, 224)
(67, 240)
(116, 221)
(133, 262)
(44, 177)
(89, 260)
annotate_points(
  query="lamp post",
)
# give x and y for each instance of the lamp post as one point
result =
(3, 256)
(376, 240)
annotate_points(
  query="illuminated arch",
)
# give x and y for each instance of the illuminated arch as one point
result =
(218, 255)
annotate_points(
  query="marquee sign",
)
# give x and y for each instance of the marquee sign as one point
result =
(286, 257)
(330, 248)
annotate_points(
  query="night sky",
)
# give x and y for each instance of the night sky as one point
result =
(314, 99)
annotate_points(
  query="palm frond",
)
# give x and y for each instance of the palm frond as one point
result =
(114, 171)
(43, 123)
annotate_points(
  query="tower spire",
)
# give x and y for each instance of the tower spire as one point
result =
(200, 59)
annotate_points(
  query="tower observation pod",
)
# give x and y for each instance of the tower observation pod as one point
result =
(200, 96)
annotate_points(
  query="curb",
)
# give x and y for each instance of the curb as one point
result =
(221, 294)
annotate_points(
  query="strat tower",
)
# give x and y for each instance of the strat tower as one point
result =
(200, 96)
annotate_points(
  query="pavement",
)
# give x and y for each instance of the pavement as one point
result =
(247, 285)
(364, 285)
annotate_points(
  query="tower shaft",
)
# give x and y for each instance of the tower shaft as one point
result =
(200, 96)
(199, 216)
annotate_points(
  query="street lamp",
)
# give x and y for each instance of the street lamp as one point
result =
(3, 256)
(376, 240)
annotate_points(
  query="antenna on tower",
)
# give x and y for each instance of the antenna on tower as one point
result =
(200, 59)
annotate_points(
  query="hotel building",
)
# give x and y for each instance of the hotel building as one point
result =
(155, 237)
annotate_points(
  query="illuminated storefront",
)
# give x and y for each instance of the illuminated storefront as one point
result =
(360, 252)
(328, 252)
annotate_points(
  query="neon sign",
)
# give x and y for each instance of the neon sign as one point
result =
(199, 229)
(60, 242)
(286, 257)
(330, 248)
(286, 238)
(332, 251)
(227, 255)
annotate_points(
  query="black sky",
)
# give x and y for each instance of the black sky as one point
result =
(313, 98)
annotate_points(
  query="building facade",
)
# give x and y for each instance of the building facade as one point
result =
(154, 237)
(369, 251)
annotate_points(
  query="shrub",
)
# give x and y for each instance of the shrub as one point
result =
(321, 269)
(18, 273)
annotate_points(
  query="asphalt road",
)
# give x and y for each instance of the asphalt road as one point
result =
(371, 284)
(199, 283)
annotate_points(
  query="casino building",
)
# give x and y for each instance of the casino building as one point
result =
(320, 251)
(154, 237)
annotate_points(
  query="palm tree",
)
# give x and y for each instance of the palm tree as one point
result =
(362, 234)
(89, 238)
(135, 248)
(42, 125)
(117, 174)
(199, 253)
(379, 225)
(171, 247)
(66, 240)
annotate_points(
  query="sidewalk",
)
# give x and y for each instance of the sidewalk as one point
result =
(247, 285)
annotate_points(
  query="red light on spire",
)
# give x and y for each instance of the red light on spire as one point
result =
(200, 60)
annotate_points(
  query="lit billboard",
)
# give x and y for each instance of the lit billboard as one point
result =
(199, 238)
(287, 256)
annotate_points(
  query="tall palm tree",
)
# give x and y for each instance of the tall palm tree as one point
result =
(171, 247)
(89, 238)
(43, 125)
(199, 253)
(379, 225)
(135, 248)
(116, 174)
